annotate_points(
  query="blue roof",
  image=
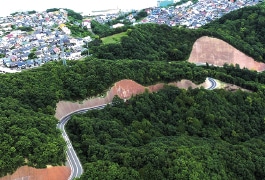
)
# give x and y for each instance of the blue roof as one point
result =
(20, 63)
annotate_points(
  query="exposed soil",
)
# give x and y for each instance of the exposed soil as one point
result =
(205, 49)
(229, 87)
(217, 52)
(29, 173)
(124, 89)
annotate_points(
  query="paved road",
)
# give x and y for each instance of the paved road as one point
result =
(213, 83)
(74, 162)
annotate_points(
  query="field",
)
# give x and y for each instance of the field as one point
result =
(114, 38)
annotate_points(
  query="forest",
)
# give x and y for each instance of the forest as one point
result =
(244, 29)
(150, 42)
(28, 99)
(171, 134)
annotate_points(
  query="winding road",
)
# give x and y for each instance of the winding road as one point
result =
(213, 83)
(72, 159)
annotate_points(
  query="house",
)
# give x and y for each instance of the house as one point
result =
(21, 64)
(66, 30)
(87, 23)
(56, 50)
(39, 54)
(75, 55)
(87, 39)
(117, 25)
(24, 57)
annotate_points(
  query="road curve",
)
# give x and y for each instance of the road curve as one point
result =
(213, 83)
(72, 159)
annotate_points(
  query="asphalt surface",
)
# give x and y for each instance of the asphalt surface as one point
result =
(72, 159)
(213, 83)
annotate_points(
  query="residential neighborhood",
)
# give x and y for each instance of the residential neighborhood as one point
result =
(194, 15)
(50, 39)
(188, 14)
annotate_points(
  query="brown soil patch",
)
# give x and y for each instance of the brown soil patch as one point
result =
(229, 87)
(124, 89)
(29, 173)
(217, 52)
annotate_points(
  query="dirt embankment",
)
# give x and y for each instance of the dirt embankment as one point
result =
(217, 52)
(29, 173)
(124, 89)
(205, 49)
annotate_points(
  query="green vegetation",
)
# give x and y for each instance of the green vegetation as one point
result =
(32, 54)
(52, 10)
(184, 1)
(244, 29)
(25, 28)
(174, 134)
(140, 15)
(171, 134)
(74, 15)
(116, 38)
(151, 42)
(104, 30)
(78, 31)
(31, 96)
(31, 12)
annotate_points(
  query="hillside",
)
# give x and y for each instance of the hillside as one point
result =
(217, 52)
(51, 173)
(244, 29)
(173, 133)
(123, 89)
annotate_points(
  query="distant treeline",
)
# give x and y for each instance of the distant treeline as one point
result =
(151, 42)
(243, 28)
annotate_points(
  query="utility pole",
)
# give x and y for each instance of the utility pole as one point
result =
(62, 53)
(87, 48)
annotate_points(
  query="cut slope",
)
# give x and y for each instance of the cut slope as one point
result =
(51, 173)
(124, 89)
(217, 52)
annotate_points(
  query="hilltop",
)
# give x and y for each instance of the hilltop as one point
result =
(173, 133)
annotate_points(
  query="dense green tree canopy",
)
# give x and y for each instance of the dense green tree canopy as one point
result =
(174, 134)
(151, 42)
(243, 29)
(29, 99)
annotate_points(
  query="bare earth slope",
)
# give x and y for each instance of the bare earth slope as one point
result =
(29, 173)
(217, 52)
(124, 89)
(205, 49)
